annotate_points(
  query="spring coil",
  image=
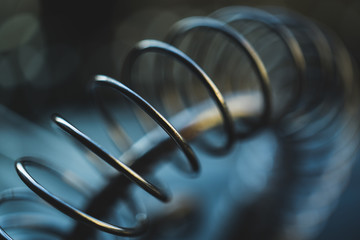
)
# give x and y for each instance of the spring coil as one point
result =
(322, 79)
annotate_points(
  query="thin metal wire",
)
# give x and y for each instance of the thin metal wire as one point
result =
(234, 14)
(104, 81)
(111, 160)
(164, 48)
(183, 27)
(71, 211)
(4, 235)
(178, 31)
(328, 65)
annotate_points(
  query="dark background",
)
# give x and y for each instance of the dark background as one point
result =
(49, 50)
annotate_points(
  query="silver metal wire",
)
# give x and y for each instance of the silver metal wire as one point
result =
(303, 125)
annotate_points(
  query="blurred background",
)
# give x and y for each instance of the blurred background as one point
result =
(49, 51)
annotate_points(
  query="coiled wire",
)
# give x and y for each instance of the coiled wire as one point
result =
(310, 113)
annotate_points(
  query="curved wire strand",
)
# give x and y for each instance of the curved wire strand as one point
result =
(71, 211)
(164, 48)
(111, 160)
(234, 14)
(105, 81)
(4, 235)
(183, 27)
(178, 31)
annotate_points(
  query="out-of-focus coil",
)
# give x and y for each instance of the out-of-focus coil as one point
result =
(302, 105)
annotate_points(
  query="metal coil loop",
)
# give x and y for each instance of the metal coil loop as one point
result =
(302, 121)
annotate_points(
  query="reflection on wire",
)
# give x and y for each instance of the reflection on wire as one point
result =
(311, 113)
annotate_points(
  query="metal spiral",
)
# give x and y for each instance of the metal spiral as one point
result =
(303, 92)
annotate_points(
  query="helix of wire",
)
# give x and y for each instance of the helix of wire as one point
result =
(306, 98)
